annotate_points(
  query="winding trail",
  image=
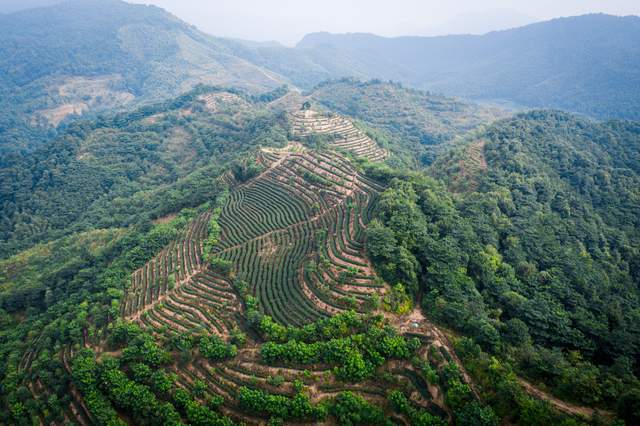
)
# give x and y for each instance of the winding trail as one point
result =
(563, 406)
(416, 322)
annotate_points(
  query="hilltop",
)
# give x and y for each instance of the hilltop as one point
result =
(243, 236)
(417, 124)
(71, 179)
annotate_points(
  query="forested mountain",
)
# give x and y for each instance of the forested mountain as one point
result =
(194, 246)
(354, 253)
(529, 242)
(588, 64)
(185, 258)
(584, 64)
(418, 124)
(127, 167)
(82, 56)
(68, 183)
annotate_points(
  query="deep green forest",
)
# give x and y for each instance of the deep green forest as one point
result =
(128, 284)
(125, 168)
(530, 244)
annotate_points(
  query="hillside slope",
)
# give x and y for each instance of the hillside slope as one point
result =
(83, 56)
(415, 124)
(229, 257)
(259, 303)
(120, 163)
(587, 64)
(529, 243)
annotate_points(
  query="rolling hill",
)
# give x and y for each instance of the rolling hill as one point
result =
(583, 64)
(587, 64)
(67, 182)
(240, 258)
(85, 56)
(419, 125)
(223, 228)
(359, 253)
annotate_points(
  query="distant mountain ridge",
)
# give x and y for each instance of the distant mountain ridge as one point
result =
(588, 64)
(81, 57)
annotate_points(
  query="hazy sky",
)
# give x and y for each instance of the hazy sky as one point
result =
(288, 20)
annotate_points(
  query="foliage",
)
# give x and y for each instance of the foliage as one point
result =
(127, 169)
(215, 349)
(279, 406)
(354, 358)
(402, 405)
(343, 324)
(351, 410)
(540, 253)
(416, 130)
(501, 391)
(214, 227)
(220, 265)
(85, 377)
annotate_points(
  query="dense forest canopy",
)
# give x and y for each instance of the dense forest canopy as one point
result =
(537, 248)
(128, 167)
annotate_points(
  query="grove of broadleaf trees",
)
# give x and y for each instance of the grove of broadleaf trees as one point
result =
(539, 263)
(216, 260)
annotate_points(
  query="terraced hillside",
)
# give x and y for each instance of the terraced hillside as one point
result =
(248, 371)
(295, 234)
(74, 407)
(341, 130)
(295, 239)
(175, 291)
(239, 284)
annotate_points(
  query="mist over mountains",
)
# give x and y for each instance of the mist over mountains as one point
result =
(587, 64)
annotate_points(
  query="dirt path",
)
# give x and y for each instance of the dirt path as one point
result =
(565, 407)
(416, 322)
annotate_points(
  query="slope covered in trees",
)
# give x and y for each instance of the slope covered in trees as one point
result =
(414, 123)
(127, 168)
(530, 245)
(258, 304)
(584, 64)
